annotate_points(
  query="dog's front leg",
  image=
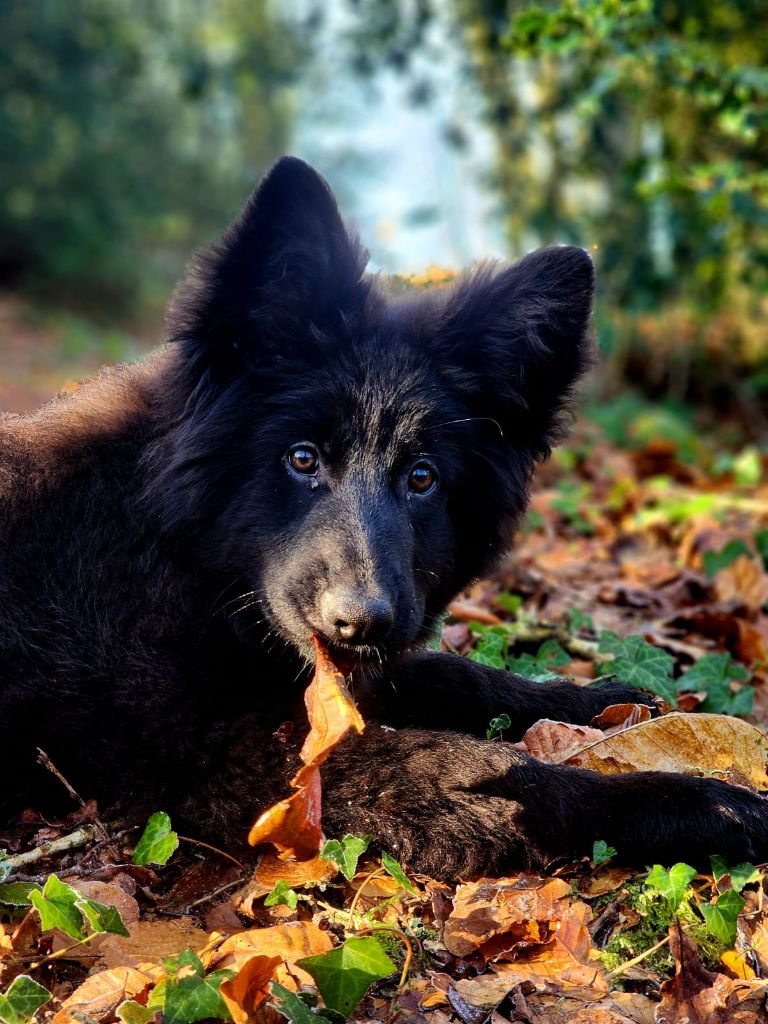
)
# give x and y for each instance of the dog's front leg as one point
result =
(445, 691)
(455, 806)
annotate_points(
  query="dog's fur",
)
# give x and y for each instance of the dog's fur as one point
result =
(163, 565)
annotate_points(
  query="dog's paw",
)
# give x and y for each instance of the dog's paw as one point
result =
(601, 697)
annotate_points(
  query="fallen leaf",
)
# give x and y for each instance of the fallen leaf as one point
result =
(508, 907)
(717, 746)
(151, 942)
(289, 942)
(694, 994)
(552, 741)
(101, 994)
(744, 581)
(292, 826)
(331, 710)
(621, 716)
(246, 992)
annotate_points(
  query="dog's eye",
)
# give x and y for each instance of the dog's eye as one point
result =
(303, 458)
(422, 478)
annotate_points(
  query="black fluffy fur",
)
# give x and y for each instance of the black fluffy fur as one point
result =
(162, 566)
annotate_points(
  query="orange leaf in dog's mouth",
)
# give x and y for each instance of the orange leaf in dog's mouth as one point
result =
(293, 826)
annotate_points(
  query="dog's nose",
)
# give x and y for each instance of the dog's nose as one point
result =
(355, 616)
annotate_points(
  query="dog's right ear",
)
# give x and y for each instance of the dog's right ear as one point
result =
(286, 265)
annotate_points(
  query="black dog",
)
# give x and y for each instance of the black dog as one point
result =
(311, 455)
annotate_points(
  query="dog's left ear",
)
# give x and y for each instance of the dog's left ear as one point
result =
(285, 264)
(516, 342)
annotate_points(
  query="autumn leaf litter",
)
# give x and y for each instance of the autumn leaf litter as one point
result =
(628, 566)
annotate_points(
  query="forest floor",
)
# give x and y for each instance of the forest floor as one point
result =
(644, 557)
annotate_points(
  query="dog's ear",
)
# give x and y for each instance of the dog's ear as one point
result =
(285, 264)
(516, 342)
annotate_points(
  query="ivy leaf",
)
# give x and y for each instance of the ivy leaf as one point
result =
(344, 974)
(22, 999)
(282, 895)
(579, 621)
(345, 853)
(158, 842)
(491, 649)
(671, 883)
(720, 916)
(740, 875)
(102, 918)
(192, 995)
(57, 905)
(538, 667)
(293, 1006)
(714, 673)
(640, 664)
(602, 852)
(715, 561)
(396, 871)
(131, 1012)
(16, 894)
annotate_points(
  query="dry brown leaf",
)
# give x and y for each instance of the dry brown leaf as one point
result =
(331, 710)
(292, 826)
(508, 907)
(468, 611)
(699, 996)
(621, 716)
(101, 994)
(249, 989)
(151, 942)
(604, 880)
(289, 942)
(745, 581)
(717, 746)
(552, 741)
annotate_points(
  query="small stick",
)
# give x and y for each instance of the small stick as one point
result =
(636, 960)
(44, 760)
(216, 892)
(81, 836)
(215, 849)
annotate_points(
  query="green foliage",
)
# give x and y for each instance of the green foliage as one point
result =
(158, 841)
(282, 895)
(345, 853)
(539, 667)
(294, 1006)
(497, 725)
(580, 622)
(740, 875)
(344, 974)
(672, 884)
(715, 561)
(602, 852)
(131, 1012)
(395, 869)
(713, 673)
(21, 1000)
(16, 894)
(639, 663)
(131, 131)
(720, 916)
(188, 994)
(572, 502)
(61, 906)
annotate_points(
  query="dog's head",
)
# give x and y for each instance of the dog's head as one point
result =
(355, 457)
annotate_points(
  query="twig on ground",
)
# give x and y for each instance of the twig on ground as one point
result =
(214, 849)
(636, 960)
(45, 760)
(81, 836)
(216, 892)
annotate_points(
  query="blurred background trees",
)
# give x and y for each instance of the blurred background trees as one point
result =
(130, 132)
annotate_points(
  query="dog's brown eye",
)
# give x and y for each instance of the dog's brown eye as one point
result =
(304, 459)
(422, 478)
